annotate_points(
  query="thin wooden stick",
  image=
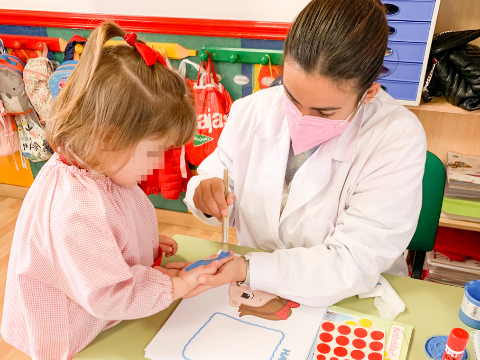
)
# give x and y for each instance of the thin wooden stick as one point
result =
(225, 218)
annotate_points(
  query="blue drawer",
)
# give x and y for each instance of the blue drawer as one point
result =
(399, 71)
(403, 51)
(408, 31)
(400, 90)
(409, 10)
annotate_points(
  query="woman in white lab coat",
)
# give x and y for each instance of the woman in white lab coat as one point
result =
(325, 171)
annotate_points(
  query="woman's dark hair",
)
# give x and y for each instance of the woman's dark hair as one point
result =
(340, 39)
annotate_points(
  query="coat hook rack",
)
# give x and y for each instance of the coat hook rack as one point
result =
(239, 55)
(23, 42)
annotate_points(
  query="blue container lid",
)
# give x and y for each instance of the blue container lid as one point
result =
(472, 292)
(435, 347)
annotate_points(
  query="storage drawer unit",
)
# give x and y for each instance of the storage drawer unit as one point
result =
(411, 24)
(400, 90)
(408, 31)
(401, 71)
(408, 52)
(416, 10)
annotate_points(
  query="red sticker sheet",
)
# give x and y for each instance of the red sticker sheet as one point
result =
(337, 341)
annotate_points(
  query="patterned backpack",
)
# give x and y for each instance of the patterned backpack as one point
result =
(36, 74)
(17, 104)
(60, 76)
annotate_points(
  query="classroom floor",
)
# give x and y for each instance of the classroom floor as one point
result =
(9, 209)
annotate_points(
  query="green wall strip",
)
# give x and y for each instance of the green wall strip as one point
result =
(176, 205)
(36, 166)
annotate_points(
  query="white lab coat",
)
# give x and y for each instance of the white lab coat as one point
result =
(353, 206)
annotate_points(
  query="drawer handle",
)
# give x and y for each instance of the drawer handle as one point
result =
(383, 88)
(392, 9)
(385, 71)
(388, 52)
(391, 30)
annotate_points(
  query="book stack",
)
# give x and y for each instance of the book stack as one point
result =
(462, 191)
(441, 269)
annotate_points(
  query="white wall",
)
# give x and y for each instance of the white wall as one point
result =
(259, 10)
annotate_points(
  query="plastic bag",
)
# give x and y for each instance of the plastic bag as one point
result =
(212, 103)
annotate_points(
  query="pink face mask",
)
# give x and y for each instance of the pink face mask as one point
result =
(307, 132)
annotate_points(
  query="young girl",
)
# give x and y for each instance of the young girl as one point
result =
(87, 236)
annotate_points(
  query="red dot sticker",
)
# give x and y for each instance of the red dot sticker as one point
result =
(326, 337)
(357, 354)
(342, 340)
(323, 348)
(340, 351)
(361, 333)
(376, 346)
(333, 358)
(375, 356)
(321, 357)
(345, 330)
(359, 343)
(328, 326)
(377, 335)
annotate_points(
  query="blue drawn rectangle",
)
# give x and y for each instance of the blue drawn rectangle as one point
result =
(241, 321)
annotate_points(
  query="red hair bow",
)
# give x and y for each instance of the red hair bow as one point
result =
(149, 55)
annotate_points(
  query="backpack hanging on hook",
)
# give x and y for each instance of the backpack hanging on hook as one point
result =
(12, 93)
(36, 75)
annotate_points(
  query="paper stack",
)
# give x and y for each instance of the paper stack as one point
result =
(441, 269)
(462, 191)
(463, 173)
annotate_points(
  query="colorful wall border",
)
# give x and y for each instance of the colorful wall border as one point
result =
(179, 26)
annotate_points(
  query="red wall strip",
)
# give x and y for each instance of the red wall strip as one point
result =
(180, 26)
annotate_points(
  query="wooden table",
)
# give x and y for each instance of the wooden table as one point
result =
(432, 309)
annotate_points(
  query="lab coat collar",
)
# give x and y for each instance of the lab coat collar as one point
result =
(271, 128)
(346, 142)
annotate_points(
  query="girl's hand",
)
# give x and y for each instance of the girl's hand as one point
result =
(210, 199)
(168, 245)
(234, 270)
(195, 276)
(185, 281)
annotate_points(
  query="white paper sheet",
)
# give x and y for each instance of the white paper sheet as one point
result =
(209, 326)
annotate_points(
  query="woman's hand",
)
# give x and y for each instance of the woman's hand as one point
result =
(210, 199)
(235, 270)
(168, 245)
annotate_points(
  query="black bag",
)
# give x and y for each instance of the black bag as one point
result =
(454, 69)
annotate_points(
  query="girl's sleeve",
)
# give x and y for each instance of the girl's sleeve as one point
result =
(91, 270)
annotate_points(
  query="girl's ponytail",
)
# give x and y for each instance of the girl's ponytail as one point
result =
(93, 52)
(83, 73)
(113, 100)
